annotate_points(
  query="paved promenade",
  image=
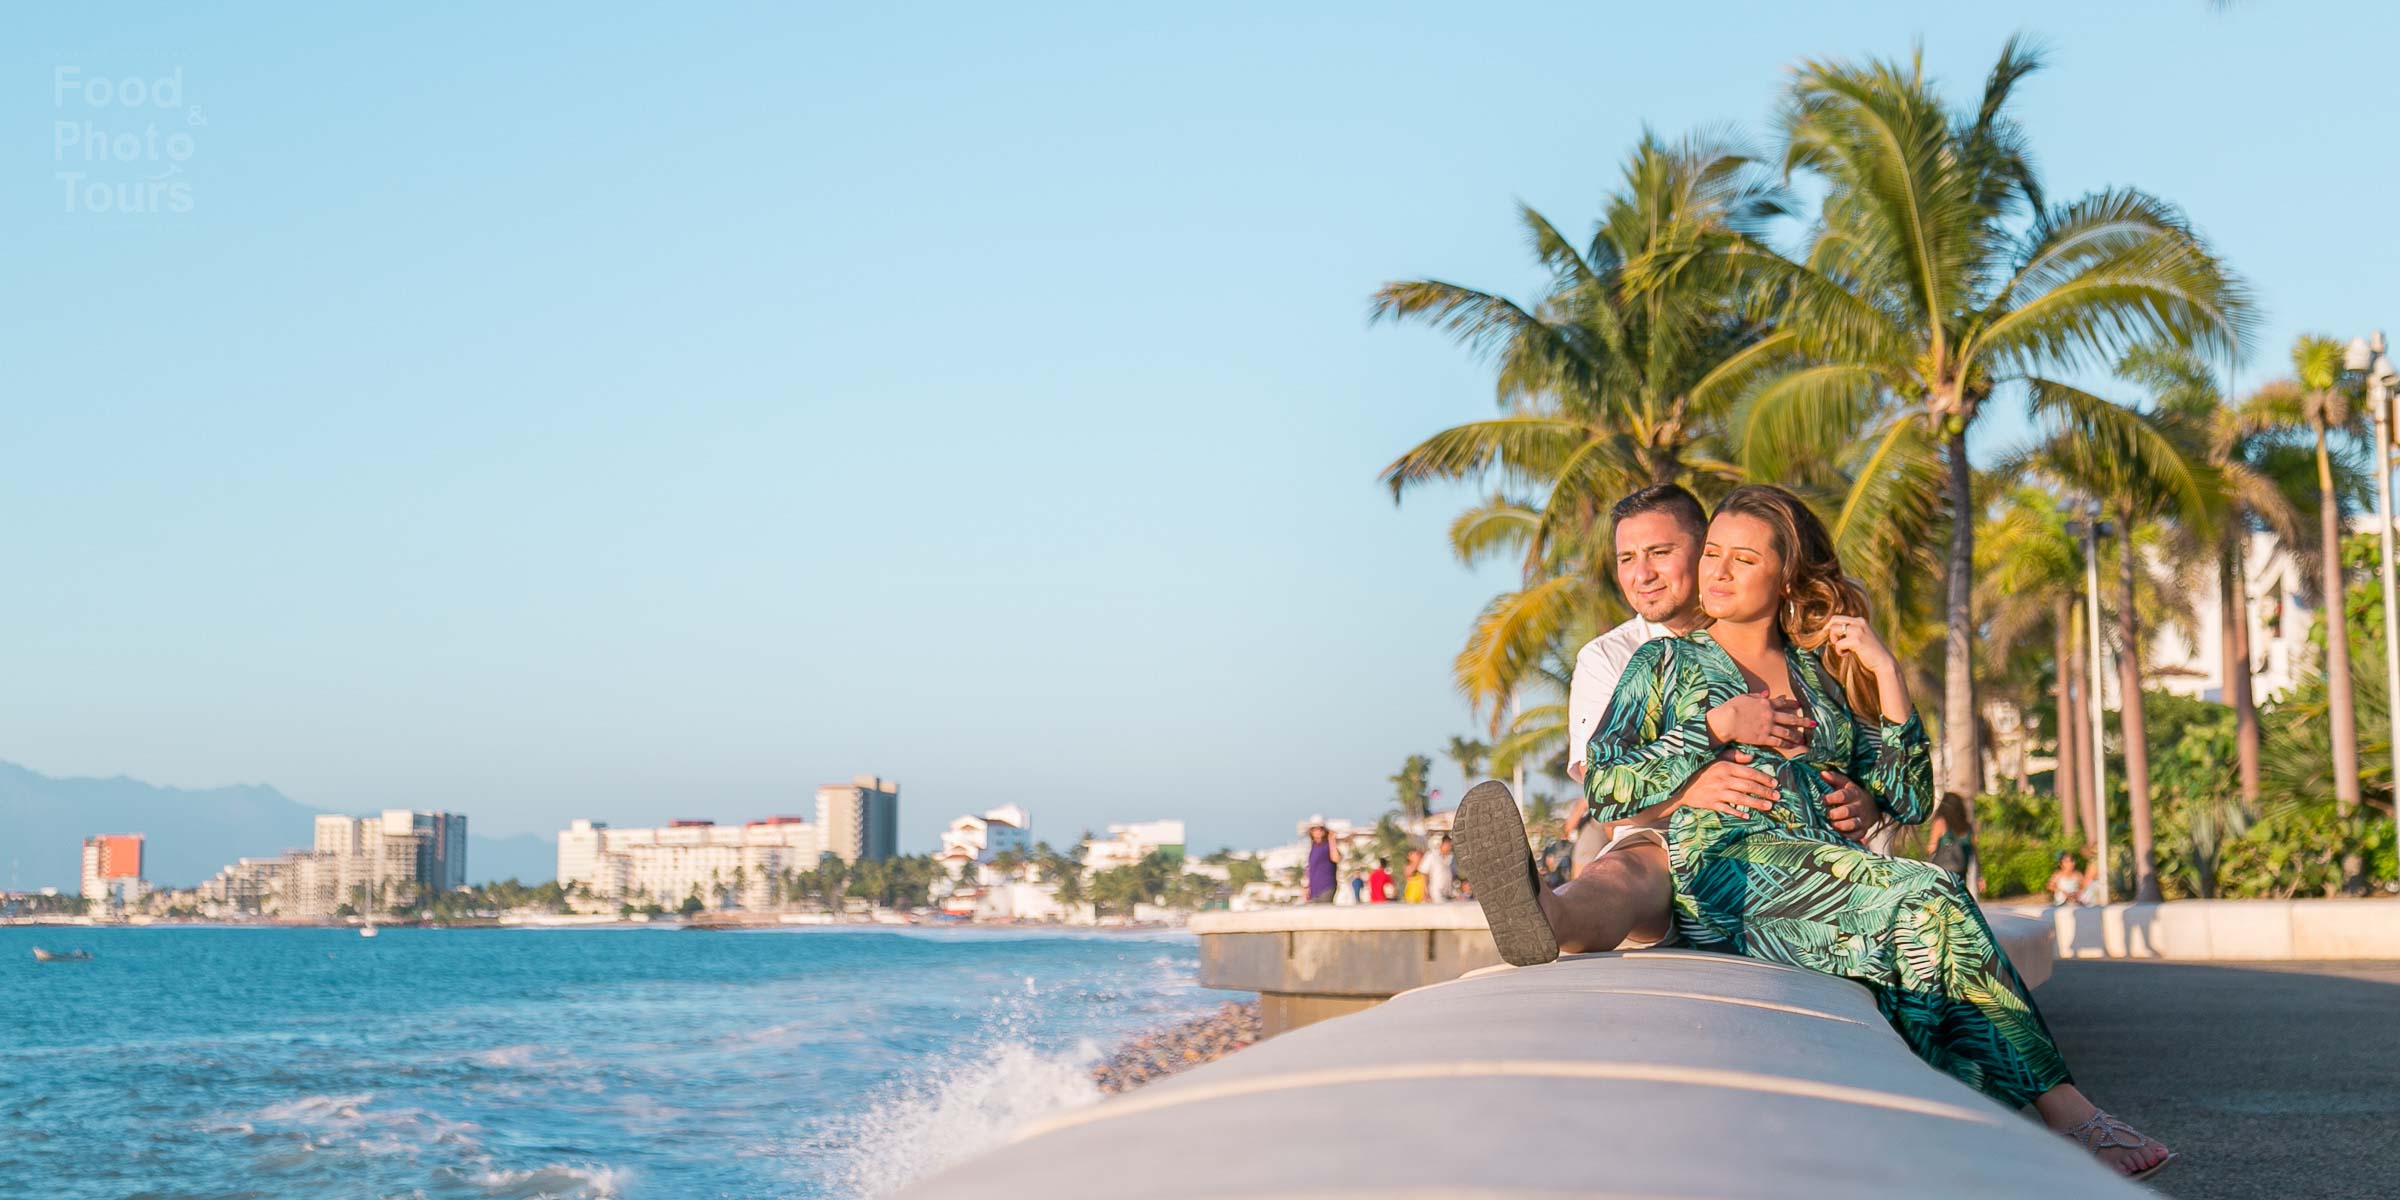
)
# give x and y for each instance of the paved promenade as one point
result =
(2272, 1079)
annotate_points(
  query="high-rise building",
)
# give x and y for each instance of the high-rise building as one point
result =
(860, 820)
(719, 863)
(112, 868)
(368, 863)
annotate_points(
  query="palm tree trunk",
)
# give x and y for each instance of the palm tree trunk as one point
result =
(1961, 748)
(2337, 642)
(2233, 615)
(2066, 782)
(2129, 718)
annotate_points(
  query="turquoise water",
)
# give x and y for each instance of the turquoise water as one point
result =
(483, 1064)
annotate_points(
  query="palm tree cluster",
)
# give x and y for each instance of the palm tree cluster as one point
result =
(1716, 329)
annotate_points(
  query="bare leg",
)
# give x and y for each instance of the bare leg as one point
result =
(1622, 894)
(2064, 1107)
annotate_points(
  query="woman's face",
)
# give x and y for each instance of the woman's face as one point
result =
(1741, 575)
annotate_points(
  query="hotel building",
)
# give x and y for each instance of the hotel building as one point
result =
(112, 868)
(721, 864)
(860, 820)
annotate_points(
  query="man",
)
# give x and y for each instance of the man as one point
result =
(1379, 882)
(1619, 891)
(1439, 873)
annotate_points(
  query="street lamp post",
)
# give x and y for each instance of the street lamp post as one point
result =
(2093, 528)
(2366, 357)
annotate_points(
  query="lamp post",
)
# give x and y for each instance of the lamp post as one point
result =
(2093, 528)
(2366, 357)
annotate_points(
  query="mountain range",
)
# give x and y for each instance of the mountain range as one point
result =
(189, 832)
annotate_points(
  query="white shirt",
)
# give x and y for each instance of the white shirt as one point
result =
(1598, 667)
(1438, 876)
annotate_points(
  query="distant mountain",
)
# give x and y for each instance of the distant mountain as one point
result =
(189, 832)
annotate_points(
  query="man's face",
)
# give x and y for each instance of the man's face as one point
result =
(1658, 565)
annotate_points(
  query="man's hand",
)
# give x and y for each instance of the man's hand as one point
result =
(1731, 785)
(1776, 723)
(1848, 806)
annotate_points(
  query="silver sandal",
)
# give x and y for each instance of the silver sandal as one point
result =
(2101, 1131)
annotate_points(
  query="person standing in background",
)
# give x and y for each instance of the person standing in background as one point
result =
(1379, 882)
(1320, 865)
(1413, 890)
(1441, 876)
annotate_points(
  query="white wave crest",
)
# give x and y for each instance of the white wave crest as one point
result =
(941, 1117)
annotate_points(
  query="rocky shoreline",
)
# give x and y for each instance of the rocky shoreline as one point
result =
(1178, 1047)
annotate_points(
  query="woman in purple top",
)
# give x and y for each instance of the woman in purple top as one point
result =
(1320, 865)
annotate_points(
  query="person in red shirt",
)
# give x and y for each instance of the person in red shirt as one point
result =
(1379, 882)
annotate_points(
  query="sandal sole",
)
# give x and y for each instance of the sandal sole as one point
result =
(1493, 856)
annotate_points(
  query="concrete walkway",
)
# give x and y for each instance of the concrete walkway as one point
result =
(2271, 1079)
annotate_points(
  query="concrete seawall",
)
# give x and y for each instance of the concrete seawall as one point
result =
(1656, 1073)
(2222, 930)
(1314, 962)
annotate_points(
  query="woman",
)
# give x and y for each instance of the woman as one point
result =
(2066, 883)
(1757, 866)
(1320, 865)
(1953, 835)
(1413, 892)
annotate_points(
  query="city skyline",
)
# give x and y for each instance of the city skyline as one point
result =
(555, 473)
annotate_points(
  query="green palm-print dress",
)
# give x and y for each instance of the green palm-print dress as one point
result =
(1782, 885)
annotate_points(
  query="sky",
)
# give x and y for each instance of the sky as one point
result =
(549, 410)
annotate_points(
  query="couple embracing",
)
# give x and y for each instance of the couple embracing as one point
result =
(1734, 738)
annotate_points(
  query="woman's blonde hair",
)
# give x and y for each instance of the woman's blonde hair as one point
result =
(1814, 588)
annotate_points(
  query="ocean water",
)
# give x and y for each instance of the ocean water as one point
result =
(472, 1064)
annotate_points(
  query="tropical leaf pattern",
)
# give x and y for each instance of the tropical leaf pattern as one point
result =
(1784, 886)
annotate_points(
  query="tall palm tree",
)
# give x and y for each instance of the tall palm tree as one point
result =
(1939, 272)
(2145, 468)
(1618, 377)
(2029, 574)
(2255, 480)
(2316, 398)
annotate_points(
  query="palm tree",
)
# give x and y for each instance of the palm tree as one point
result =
(1469, 755)
(1410, 797)
(2029, 574)
(1939, 272)
(2256, 480)
(2315, 397)
(2144, 467)
(1617, 378)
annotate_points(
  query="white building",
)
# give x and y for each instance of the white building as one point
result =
(721, 864)
(1131, 843)
(368, 863)
(860, 819)
(973, 840)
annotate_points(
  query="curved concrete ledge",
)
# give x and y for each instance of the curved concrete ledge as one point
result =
(1659, 1073)
(2204, 930)
(1312, 962)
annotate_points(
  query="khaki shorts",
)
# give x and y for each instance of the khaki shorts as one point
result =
(1594, 842)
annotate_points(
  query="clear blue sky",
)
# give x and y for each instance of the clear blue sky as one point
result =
(547, 411)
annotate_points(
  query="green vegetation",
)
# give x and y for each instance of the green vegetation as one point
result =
(1694, 338)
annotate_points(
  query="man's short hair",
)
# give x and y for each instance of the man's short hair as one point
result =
(1668, 498)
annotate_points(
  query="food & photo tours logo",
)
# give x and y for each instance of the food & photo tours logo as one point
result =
(121, 144)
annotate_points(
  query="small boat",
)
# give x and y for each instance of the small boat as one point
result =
(41, 955)
(366, 931)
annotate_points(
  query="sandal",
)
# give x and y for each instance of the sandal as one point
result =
(2101, 1131)
(1493, 856)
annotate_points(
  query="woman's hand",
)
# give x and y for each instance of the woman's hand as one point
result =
(1731, 785)
(1756, 719)
(1854, 637)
